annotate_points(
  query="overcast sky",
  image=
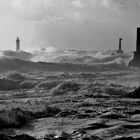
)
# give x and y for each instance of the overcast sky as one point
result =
(69, 24)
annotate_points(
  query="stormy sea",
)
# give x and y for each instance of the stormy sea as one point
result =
(69, 94)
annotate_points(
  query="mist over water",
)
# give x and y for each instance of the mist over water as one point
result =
(72, 56)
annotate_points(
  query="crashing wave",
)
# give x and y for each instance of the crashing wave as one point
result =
(71, 56)
(18, 55)
(83, 57)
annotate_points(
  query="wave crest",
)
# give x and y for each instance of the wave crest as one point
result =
(71, 56)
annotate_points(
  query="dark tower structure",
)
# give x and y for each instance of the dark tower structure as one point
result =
(120, 46)
(137, 53)
(136, 59)
(18, 44)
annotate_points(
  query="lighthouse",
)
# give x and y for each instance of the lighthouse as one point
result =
(17, 44)
(137, 53)
(136, 60)
(120, 46)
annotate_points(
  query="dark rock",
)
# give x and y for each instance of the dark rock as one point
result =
(134, 94)
(14, 118)
(24, 137)
(133, 112)
(18, 137)
(122, 138)
(4, 137)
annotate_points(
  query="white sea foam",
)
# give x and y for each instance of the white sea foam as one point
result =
(72, 56)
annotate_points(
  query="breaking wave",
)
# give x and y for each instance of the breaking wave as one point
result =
(83, 57)
(71, 56)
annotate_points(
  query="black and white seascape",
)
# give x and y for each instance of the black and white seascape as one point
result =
(69, 70)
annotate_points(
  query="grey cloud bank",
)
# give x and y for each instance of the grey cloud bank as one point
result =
(80, 24)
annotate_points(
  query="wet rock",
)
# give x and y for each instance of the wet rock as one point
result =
(134, 94)
(122, 138)
(4, 137)
(14, 118)
(18, 137)
(24, 137)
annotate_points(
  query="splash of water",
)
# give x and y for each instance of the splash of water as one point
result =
(52, 54)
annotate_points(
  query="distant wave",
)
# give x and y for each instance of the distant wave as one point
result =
(71, 56)
(83, 57)
(18, 55)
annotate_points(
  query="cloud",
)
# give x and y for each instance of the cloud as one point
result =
(124, 3)
(70, 23)
(40, 9)
(77, 3)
